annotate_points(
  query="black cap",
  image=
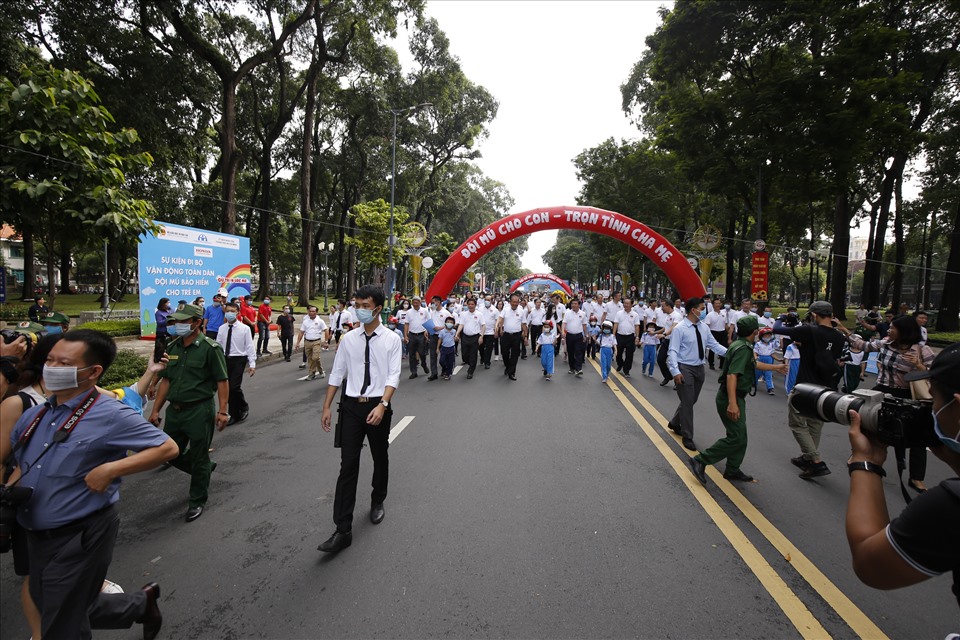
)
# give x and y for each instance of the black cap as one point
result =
(945, 368)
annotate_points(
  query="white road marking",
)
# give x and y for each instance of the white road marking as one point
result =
(456, 369)
(304, 377)
(399, 427)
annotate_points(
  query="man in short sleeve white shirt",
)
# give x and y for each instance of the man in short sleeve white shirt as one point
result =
(626, 327)
(716, 322)
(438, 314)
(574, 329)
(472, 322)
(415, 335)
(512, 328)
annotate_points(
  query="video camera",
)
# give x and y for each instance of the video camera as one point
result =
(890, 420)
(789, 319)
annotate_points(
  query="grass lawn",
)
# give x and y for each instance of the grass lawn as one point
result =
(72, 305)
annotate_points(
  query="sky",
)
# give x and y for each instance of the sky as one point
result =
(555, 67)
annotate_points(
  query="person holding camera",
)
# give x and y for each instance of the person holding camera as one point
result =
(821, 347)
(69, 510)
(899, 354)
(922, 541)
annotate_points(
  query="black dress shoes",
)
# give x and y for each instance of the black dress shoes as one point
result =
(337, 542)
(432, 378)
(413, 375)
(689, 444)
(376, 513)
(665, 382)
(244, 415)
(738, 475)
(699, 469)
(513, 377)
(194, 512)
(151, 619)
(674, 428)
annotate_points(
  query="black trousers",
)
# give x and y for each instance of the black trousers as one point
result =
(535, 331)
(486, 349)
(662, 359)
(432, 341)
(66, 572)
(417, 347)
(576, 349)
(470, 347)
(626, 345)
(510, 350)
(236, 403)
(353, 430)
(286, 343)
(721, 337)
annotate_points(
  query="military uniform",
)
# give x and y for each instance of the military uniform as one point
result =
(193, 372)
(733, 447)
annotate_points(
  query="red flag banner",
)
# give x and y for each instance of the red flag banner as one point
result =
(759, 272)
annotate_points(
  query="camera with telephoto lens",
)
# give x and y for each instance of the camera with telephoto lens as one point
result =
(892, 421)
(10, 499)
(789, 319)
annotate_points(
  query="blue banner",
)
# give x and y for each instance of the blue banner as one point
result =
(183, 263)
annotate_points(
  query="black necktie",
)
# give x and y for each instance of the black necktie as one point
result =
(336, 322)
(366, 364)
(226, 351)
(696, 328)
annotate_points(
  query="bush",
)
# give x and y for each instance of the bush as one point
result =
(114, 328)
(14, 312)
(125, 370)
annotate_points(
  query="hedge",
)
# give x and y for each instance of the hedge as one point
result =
(125, 370)
(14, 312)
(115, 328)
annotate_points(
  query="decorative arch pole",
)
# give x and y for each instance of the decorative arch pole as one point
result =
(530, 277)
(629, 231)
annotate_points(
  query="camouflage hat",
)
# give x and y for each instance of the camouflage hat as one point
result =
(55, 317)
(748, 322)
(187, 312)
(29, 327)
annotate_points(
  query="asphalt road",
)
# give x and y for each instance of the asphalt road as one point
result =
(519, 509)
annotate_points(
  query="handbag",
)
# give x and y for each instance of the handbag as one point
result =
(920, 389)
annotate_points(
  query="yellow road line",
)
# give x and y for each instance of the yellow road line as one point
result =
(795, 610)
(845, 608)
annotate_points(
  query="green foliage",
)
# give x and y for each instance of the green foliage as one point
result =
(372, 220)
(14, 312)
(114, 328)
(125, 370)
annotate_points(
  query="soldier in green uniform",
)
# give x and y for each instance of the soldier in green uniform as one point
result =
(55, 322)
(737, 380)
(197, 370)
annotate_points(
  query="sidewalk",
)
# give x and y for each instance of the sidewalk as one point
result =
(145, 348)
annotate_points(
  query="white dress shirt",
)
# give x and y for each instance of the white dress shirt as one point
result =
(241, 342)
(573, 321)
(472, 323)
(416, 318)
(438, 316)
(513, 319)
(612, 309)
(536, 316)
(627, 323)
(312, 329)
(386, 349)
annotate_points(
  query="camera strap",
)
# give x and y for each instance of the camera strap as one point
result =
(901, 457)
(65, 429)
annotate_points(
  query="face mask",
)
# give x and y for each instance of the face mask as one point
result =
(54, 329)
(703, 314)
(766, 339)
(726, 306)
(649, 330)
(230, 316)
(286, 311)
(169, 307)
(60, 378)
(593, 324)
(365, 316)
(486, 303)
(607, 331)
(266, 301)
(182, 329)
(548, 331)
(448, 325)
(767, 314)
(951, 443)
(391, 326)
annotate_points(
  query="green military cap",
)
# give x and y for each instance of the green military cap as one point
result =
(29, 327)
(187, 312)
(55, 317)
(748, 322)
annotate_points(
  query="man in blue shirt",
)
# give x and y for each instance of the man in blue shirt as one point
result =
(685, 359)
(72, 451)
(213, 316)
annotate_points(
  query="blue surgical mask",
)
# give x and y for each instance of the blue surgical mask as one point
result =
(267, 301)
(703, 314)
(365, 316)
(448, 325)
(230, 316)
(607, 331)
(951, 443)
(767, 314)
(53, 329)
(182, 328)
(726, 306)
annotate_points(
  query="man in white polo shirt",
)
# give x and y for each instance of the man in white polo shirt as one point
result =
(574, 329)
(490, 318)
(716, 322)
(438, 314)
(626, 327)
(612, 308)
(535, 318)
(512, 328)
(314, 332)
(470, 334)
(415, 335)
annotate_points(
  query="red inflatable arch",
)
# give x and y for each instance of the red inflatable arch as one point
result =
(530, 277)
(636, 234)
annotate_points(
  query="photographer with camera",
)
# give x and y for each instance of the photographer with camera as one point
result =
(922, 541)
(821, 347)
(899, 354)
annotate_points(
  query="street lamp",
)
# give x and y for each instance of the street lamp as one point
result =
(391, 240)
(326, 249)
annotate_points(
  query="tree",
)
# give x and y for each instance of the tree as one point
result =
(64, 168)
(372, 220)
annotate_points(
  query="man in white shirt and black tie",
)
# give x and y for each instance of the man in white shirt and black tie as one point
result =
(241, 355)
(415, 335)
(368, 361)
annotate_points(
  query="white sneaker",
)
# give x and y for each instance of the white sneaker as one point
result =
(110, 587)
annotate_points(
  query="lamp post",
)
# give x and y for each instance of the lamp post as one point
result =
(325, 249)
(391, 240)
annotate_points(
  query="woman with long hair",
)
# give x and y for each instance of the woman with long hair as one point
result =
(899, 353)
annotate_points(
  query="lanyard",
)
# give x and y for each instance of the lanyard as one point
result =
(67, 427)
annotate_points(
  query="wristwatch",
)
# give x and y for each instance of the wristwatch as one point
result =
(386, 405)
(864, 465)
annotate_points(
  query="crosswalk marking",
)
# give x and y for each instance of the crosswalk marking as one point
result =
(399, 427)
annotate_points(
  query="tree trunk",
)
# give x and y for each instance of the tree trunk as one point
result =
(306, 211)
(728, 275)
(841, 244)
(949, 317)
(231, 157)
(263, 222)
(900, 250)
(29, 264)
(65, 267)
(743, 250)
(873, 268)
(352, 268)
(51, 257)
(928, 254)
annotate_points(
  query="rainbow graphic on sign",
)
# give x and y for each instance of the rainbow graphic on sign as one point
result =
(237, 281)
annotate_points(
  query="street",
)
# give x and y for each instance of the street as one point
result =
(519, 509)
